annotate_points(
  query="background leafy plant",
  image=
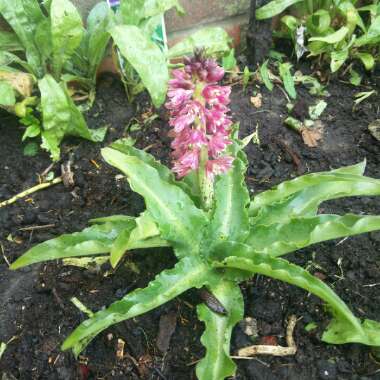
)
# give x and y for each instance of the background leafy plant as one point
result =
(147, 66)
(49, 45)
(335, 30)
(237, 238)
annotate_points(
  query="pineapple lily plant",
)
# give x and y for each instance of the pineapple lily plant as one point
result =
(220, 236)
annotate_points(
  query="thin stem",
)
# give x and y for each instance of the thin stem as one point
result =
(205, 184)
(31, 191)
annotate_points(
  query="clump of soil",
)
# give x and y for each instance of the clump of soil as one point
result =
(35, 307)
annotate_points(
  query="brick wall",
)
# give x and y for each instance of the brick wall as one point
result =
(231, 14)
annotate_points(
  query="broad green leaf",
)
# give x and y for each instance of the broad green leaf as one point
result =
(338, 57)
(7, 94)
(9, 41)
(319, 22)
(287, 79)
(307, 201)
(145, 57)
(285, 189)
(188, 273)
(372, 36)
(332, 38)
(348, 10)
(291, 24)
(93, 240)
(42, 39)
(217, 364)
(274, 8)
(355, 77)
(133, 12)
(7, 59)
(344, 328)
(66, 32)
(229, 61)
(264, 73)
(24, 17)
(367, 60)
(61, 117)
(229, 219)
(213, 39)
(145, 234)
(279, 239)
(97, 36)
(179, 220)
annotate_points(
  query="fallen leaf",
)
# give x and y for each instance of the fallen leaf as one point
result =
(21, 82)
(374, 129)
(311, 136)
(168, 323)
(257, 100)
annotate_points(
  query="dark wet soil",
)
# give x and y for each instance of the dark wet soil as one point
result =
(35, 309)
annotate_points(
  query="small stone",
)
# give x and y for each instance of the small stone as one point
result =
(326, 370)
(249, 326)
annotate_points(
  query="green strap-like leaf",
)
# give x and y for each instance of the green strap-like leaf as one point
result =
(213, 39)
(306, 202)
(97, 36)
(179, 220)
(287, 79)
(188, 273)
(345, 327)
(279, 239)
(274, 8)
(66, 32)
(217, 364)
(145, 57)
(145, 235)
(229, 218)
(9, 41)
(332, 38)
(287, 188)
(94, 240)
(125, 146)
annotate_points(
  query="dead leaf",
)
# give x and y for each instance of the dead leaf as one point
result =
(21, 82)
(257, 100)
(120, 348)
(374, 129)
(311, 136)
(168, 323)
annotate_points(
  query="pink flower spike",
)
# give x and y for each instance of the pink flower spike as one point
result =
(218, 166)
(218, 144)
(189, 161)
(215, 72)
(217, 94)
(178, 97)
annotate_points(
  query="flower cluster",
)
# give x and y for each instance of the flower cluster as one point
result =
(199, 117)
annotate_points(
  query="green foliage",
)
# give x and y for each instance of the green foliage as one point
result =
(145, 57)
(146, 64)
(218, 248)
(335, 31)
(61, 117)
(52, 45)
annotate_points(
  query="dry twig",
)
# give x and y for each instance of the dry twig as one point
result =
(274, 350)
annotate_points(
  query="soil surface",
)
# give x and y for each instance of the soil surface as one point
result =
(35, 309)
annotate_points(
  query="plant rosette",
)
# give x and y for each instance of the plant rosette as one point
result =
(220, 236)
